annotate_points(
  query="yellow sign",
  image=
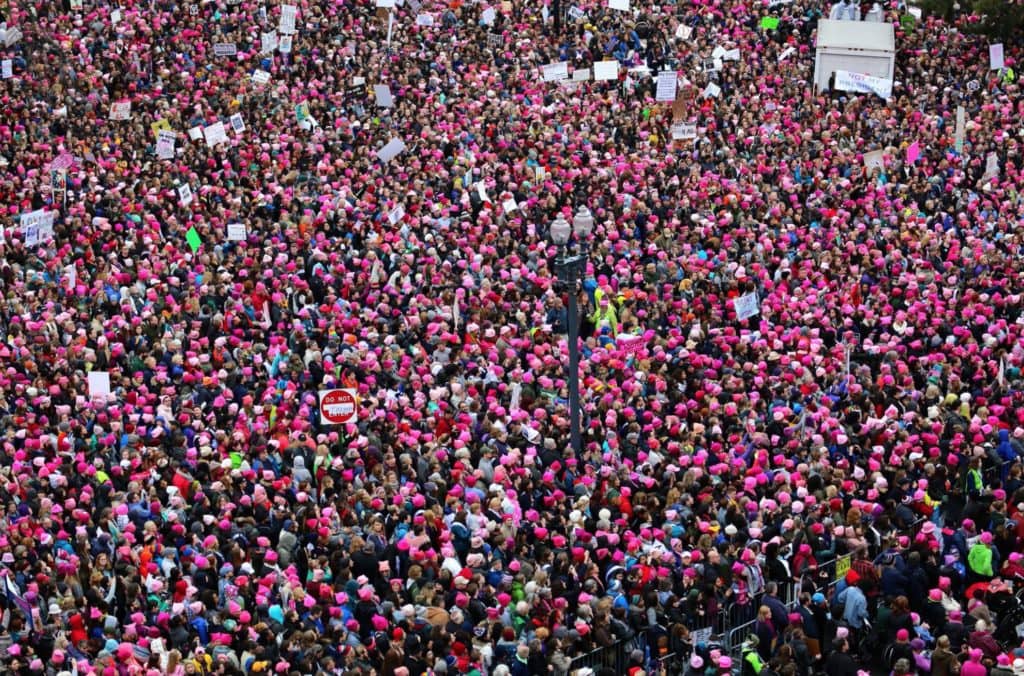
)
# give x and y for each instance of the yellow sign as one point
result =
(842, 567)
(159, 126)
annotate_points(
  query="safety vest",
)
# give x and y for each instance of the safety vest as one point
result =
(753, 663)
(980, 559)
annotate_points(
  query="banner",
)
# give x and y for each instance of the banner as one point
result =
(867, 84)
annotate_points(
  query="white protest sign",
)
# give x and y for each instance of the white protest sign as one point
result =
(424, 20)
(120, 110)
(385, 4)
(71, 275)
(684, 132)
(8, 69)
(606, 70)
(268, 42)
(746, 306)
(667, 82)
(991, 167)
(575, 13)
(237, 123)
(621, 5)
(115, 17)
(261, 77)
(225, 49)
(286, 25)
(718, 52)
(215, 133)
(683, 32)
(509, 205)
(581, 75)
(236, 232)
(389, 151)
(712, 91)
(165, 144)
(874, 160)
(284, 45)
(99, 384)
(731, 55)
(858, 82)
(961, 127)
(488, 16)
(553, 72)
(37, 227)
(788, 52)
(996, 60)
(396, 214)
(185, 194)
(12, 36)
(382, 93)
(195, 133)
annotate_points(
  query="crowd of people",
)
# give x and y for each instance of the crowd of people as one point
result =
(253, 202)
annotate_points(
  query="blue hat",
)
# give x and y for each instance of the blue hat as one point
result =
(818, 597)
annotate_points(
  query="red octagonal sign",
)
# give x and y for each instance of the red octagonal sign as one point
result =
(338, 407)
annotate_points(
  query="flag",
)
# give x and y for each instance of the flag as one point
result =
(17, 600)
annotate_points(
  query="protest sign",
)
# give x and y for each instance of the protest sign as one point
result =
(165, 144)
(385, 4)
(286, 24)
(666, 90)
(390, 150)
(7, 68)
(620, 5)
(858, 82)
(913, 152)
(236, 232)
(215, 134)
(37, 227)
(712, 91)
(487, 16)
(874, 160)
(225, 49)
(509, 205)
(115, 17)
(769, 23)
(961, 127)
(193, 239)
(683, 32)
(996, 59)
(581, 75)
(427, 20)
(731, 55)
(684, 132)
(261, 77)
(746, 306)
(991, 167)
(554, 72)
(786, 53)
(120, 110)
(396, 214)
(12, 36)
(62, 161)
(606, 70)
(284, 45)
(268, 42)
(195, 133)
(99, 384)
(382, 94)
(237, 123)
(185, 194)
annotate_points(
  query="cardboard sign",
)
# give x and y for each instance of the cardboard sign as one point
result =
(396, 214)
(215, 134)
(284, 45)
(236, 232)
(683, 32)
(195, 133)
(667, 81)
(225, 49)
(382, 93)
(874, 160)
(746, 306)
(165, 144)
(553, 72)
(121, 110)
(391, 150)
(99, 384)
(684, 132)
(286, 24)
(606, 70)
(237, 124)
(185, 194)
(996, 59)
(261, 77)
(581, 75)
(268, 42)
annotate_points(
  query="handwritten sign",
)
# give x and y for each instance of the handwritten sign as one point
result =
(286, 24)
(553, 72)
(747, 306)
(165, 144)
(996, 59)
(606, 70)
(215, 134)
(684, 132)
(121, 110)
(667, 81)
(236, 232)
(225, 49)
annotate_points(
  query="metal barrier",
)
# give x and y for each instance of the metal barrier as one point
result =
(615, 656)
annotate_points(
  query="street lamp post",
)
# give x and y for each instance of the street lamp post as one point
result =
(570, 266)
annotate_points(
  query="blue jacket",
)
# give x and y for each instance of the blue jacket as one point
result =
(856, 609)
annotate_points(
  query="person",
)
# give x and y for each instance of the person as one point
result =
(766, 632)
(982, 559)
(900, 649)
(753, 664)
(855, 606)
(840, 662)
(809, 621)
(943, 660)
(981, 639)
(973, 665)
